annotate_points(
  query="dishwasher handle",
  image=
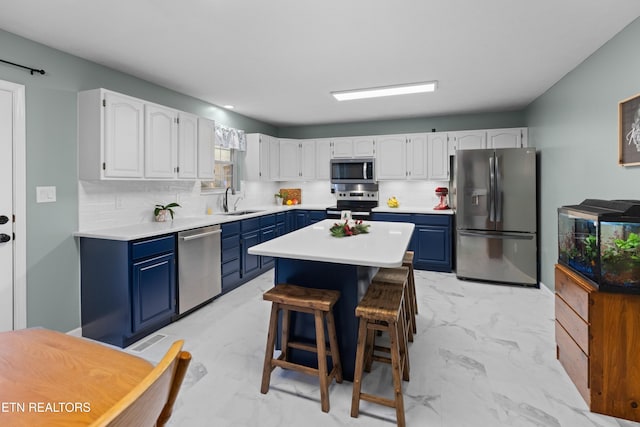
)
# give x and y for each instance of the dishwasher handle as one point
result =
(198, 236)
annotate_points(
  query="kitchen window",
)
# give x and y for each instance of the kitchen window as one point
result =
(225, 170)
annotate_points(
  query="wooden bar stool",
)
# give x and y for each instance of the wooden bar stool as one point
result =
(399, 277)
(318, 302)
(381, 309)
(407, 261)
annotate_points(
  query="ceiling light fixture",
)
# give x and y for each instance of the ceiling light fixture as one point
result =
(228, 107)
(375, 92)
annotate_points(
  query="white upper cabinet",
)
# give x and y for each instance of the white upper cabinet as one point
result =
(361, 146)
(262, 158)
(297, 160)
(364, 146)
(400, 157)
(126, 138)
(391, 159)
(206, 148)
(273, 146)
(438, 156)
(417, 156)
(507, 138)
(160, 142)
(289, 163)
(110, 136)
(323, 159)
(187, 146)
(342, 148)
(467, 140)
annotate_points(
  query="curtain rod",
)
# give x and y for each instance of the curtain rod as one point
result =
(32, 70)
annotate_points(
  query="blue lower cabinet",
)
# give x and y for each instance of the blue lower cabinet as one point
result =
(128, 289)
(432, 248)
(267, 233)
(250, 263)
(154, 290)
(231, 254)
(301, 219)
(316, 216)
(431, 241)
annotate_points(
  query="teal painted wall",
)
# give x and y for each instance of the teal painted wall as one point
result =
(422, 124)
(574, 126)
(53, 292)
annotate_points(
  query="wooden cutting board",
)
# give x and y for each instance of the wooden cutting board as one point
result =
(292, 193)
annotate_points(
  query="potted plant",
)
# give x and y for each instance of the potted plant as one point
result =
(280, 197)
(160, 212)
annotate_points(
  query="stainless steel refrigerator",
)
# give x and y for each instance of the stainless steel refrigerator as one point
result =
(496, 207)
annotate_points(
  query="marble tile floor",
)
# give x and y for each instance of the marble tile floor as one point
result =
(484, 356)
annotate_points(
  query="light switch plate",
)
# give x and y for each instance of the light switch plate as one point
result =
(45, 194)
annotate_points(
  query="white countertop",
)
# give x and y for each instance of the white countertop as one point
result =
(150, 229)
(383, 246)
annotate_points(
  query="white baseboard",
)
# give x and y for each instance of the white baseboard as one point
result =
(546, 288)
(77, 332)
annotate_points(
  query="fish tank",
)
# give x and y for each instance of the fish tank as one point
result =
(600, 240)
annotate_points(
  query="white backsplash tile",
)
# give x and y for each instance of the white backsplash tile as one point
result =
(105, 204)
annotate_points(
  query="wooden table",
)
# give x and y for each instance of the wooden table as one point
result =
(50, 379)
(311, 257)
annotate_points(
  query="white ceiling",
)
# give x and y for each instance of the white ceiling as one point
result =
(277, 60)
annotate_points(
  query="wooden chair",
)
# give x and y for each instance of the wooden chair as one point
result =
(319, 303)
(150, 403)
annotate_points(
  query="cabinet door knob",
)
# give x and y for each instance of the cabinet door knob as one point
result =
(4, 219)
(4, 238)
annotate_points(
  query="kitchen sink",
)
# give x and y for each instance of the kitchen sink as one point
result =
(240, 213)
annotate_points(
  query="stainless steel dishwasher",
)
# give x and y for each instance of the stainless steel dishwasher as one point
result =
(199, 276)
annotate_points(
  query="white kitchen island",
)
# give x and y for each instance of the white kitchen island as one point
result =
(312, 257)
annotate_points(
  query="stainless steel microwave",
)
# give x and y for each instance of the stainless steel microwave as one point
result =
(353, 171)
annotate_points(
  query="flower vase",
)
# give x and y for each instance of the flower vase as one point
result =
(162, 215)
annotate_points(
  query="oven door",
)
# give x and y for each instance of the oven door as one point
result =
(352, 171)
(336, 213)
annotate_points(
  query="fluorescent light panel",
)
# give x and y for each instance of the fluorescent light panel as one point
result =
(375, 92)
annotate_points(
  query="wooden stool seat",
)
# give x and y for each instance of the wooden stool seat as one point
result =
(315, 299)
(381, 309)
(319, 303)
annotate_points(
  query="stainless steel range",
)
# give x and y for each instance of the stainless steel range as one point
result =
(360, 199)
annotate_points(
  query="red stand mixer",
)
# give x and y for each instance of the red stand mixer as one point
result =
(442, 192)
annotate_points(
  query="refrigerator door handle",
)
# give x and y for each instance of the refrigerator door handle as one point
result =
(498, 191)
(503, 236)
(492, 179)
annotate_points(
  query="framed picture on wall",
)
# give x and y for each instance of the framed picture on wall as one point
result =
(629, 131)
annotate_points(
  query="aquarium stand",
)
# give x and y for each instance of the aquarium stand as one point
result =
(598, 343)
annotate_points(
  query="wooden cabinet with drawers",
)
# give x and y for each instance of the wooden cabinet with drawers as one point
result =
(598, 344)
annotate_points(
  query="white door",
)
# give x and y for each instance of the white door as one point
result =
(206, 141)
(123, 136)
(289, 159)
(187, 146)
(417, 156)
(391, 159)
(307, 160)
(438, 157)
(160, 142)
(6, 210)
(323, 159)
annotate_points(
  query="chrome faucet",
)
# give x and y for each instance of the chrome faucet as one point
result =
(235, 205)
(225, 202)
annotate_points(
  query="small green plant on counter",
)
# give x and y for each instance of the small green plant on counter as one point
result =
(168, 208)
